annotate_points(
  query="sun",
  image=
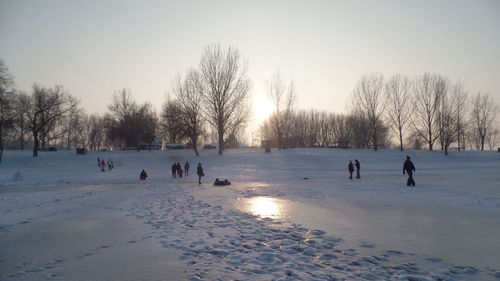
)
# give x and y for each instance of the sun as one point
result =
(263, 107)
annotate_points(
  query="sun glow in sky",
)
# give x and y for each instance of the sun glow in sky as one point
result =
(262, 108)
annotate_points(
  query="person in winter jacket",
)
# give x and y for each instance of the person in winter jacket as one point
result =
(110, 165)
(174, 170)
(180, 171)
(177, 168)
(409, 168)
(358, 167)
(199, 171)
(350, 167)
(186, 168)
(143, 175)
(103, 165)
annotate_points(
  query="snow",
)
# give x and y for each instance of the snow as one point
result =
(288, 215)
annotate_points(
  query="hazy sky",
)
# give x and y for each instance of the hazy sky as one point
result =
(93, 47)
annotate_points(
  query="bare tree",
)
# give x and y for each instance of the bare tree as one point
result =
(343, 130)
(7, 101)
(190, 100)
(483, 116)
(225, 89)
(446, 115)
(283, 99)
(21, 124)
(461, 109)
(399, 105)
(48, 105)
(370, 103)
(426, 106)
(173, 123)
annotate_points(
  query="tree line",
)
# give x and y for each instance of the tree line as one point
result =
(415, 113)
(208, 101)
(211, 102)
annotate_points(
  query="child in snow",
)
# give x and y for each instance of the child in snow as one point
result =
(143, 175)
(199, 171)
(180, 171)
(186, 168)
(103, 164)
(358, 167)
(350, 167)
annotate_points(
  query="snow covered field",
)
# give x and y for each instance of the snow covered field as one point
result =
(289, 215)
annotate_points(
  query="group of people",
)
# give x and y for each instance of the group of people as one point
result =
(103, 164)
(177, 171)
(408, 168)
(350, 167)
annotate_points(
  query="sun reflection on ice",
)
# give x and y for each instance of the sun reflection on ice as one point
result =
(265, 207)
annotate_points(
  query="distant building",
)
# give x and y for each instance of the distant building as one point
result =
(156, 144)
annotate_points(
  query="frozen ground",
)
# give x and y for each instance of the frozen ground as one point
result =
(61, 219)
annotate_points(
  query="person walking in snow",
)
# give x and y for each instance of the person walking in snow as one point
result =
(409, 168)
(103, 164)
(174, 170)
(177, 168)
(180, 171)
(199, 171)
(143, 175)
(99, 162)
(358, 167)
(350, 167)
(186, 168)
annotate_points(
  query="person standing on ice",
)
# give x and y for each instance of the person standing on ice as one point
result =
(174, 170)
(350, 167)
(358, 167)
(199, 171)
(409, 168)
(103, 164)
(99, 162)
(186, 168)
(180, 171)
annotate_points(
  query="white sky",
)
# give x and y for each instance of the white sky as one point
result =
(95, 47)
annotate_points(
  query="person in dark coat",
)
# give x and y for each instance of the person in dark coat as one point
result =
(350, 167)
(358, 167)
(174, 170)
(143, 175)
(186, 168)
(199, 171)
(409, 168)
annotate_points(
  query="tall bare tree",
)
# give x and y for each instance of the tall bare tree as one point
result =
(483, 116)
(225, 89)
(21, 124)
(426, 107)
(172, 122)
(399, 105)
(7, 101)
(48, 106)
(460, 98)
(283, 98)
(189, 96)
(370, 103)
(446, 115)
